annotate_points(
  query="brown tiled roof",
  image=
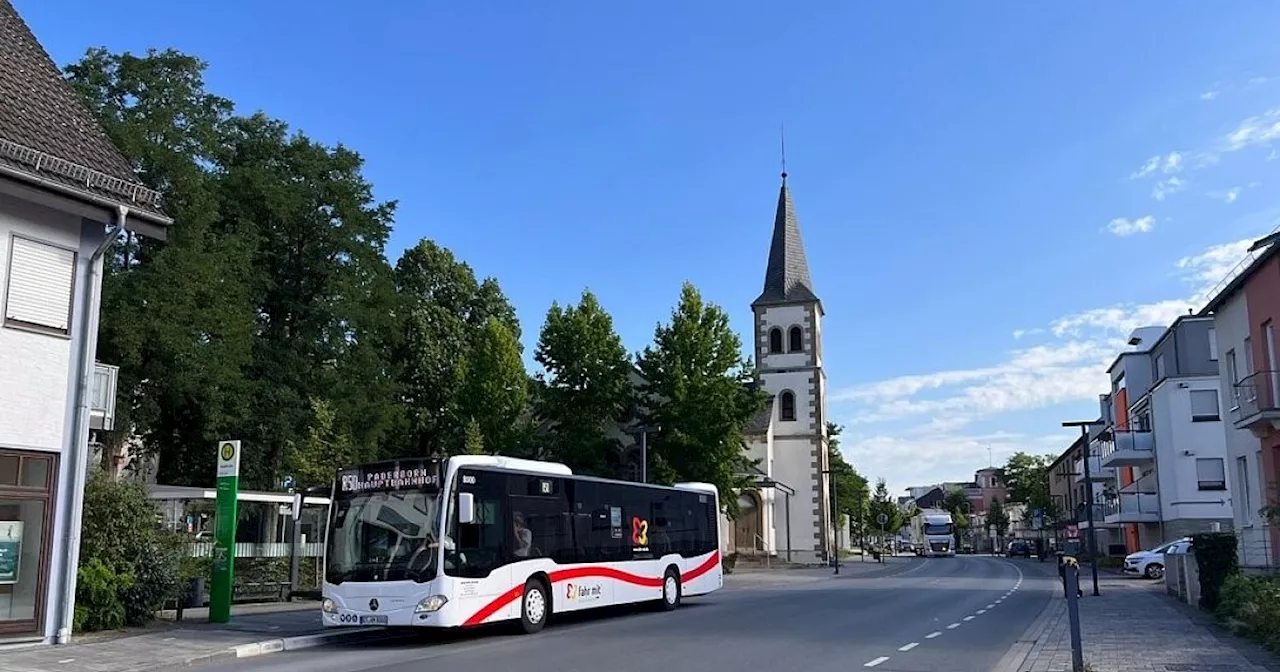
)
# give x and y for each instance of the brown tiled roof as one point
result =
(47, 133)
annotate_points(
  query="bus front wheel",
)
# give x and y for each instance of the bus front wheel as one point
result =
(534, 607)
(671, 589)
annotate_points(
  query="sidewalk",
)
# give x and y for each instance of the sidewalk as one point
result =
(1134, 627)
(253, 630)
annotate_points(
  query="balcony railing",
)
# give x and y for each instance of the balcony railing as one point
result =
(1255, 399)
(1133, 508)
(1126, 448)
(1144, 485)
(1082, 517)
(1097, 472)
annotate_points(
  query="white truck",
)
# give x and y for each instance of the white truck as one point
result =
(933, 533)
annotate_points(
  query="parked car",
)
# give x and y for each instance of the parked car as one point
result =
(1018, 549)
(1150, 564)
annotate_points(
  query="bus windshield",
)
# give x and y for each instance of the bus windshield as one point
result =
(937, 528)
(384, 536)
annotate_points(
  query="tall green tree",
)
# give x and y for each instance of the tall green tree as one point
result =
(1027, 477)
(177, 317)
(320, 284)
(852, 492)
(997, 516)
(696, 380)
(443, 312)
(584, 389)
(495, 389)
(960, 507)
(882, 504)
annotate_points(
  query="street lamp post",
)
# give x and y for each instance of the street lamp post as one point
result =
(1088, 509)
(644, 449)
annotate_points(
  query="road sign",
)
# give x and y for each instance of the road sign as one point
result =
(287, 483)
(883, 519)
(224, 534)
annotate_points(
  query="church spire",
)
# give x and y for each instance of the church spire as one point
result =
(786, 279)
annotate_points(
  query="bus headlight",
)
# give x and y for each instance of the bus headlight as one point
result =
(429, 604)
(328, 606)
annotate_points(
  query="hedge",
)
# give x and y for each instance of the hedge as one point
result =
(1216, 557)
(1250, 606)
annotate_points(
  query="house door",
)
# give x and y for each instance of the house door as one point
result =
(747, 525)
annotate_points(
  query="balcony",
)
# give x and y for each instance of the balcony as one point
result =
(1099, 517)
(1097, 472)
(1126, 448)
(102, 406)
(1146, 485)
(1133, 508)
(1255, 403)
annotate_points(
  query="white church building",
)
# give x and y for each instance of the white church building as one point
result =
(789, 513)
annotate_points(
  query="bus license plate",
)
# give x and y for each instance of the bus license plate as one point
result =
(373, 620)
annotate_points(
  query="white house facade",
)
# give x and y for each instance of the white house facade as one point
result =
(65, 194)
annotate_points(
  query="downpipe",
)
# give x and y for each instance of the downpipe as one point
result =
(77, 456)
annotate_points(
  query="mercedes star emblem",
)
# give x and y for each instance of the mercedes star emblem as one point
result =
(373, 605)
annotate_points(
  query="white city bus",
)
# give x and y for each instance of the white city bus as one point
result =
(481, 539)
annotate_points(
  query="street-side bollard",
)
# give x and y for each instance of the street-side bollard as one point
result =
(1072, 579)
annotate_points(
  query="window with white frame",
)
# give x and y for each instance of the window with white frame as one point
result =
(1204, 406)
(1211, 473)
(1213, 344)
(39, 285)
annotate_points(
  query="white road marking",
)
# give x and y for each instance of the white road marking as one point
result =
(877, 661)
(953, 626)
(933, 634)
(980, 612)
(991, 606)
(966, 619)
(908, 647)
(64, 662)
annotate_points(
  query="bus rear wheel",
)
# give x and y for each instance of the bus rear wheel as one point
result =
(534, 607)
(671, 590)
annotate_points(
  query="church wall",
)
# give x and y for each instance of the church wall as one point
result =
(783, 317)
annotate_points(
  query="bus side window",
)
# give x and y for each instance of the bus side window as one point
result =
(482, 545)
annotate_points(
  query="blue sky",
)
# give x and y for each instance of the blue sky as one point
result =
(990, 195)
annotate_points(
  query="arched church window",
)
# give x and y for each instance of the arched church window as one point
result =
(775, 341)
(788, 401)
(797, 340)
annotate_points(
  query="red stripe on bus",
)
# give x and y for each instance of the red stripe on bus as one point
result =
(581, 572)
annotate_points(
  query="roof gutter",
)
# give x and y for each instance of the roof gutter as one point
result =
(78, 452)
(156, 226)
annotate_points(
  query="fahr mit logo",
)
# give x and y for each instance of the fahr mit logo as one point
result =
(578, 591)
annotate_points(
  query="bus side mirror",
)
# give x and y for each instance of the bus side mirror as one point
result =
(466, 508)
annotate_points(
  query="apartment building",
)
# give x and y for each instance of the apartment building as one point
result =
(1166, 441)
(1244, 312)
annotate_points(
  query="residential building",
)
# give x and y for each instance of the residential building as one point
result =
(1166, 440)
(66, 193)
(790, 437)
(1244, 312)
(1070, 492)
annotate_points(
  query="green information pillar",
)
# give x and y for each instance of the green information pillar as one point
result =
(224, 535)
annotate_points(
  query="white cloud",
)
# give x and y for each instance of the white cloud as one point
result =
(1260, 129)
(1209, 95)
(1018, 334)
(1167, 187)
(936, 455)
(1229, 195)
(1127, 227)
(1167, 163)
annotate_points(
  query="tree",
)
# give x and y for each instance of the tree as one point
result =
(325, 448)
(997, 516)
(443, 313)
(851, 488)
(959, 505)
(585, 386)
(697, 382)
(174, 319)
(473, 444)
(495, 388)
(883, 505)
(1027, 477)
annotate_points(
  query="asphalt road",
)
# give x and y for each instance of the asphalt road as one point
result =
(957, 614)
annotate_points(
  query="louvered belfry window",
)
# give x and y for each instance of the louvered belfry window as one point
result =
(38, 286)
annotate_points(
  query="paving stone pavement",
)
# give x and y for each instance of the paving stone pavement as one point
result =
(1134, 627)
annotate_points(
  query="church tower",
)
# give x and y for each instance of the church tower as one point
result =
(788, 353)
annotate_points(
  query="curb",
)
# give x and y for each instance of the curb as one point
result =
(1021, 649)
(276, 645)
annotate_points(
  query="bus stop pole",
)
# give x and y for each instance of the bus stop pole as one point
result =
(295, 550)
